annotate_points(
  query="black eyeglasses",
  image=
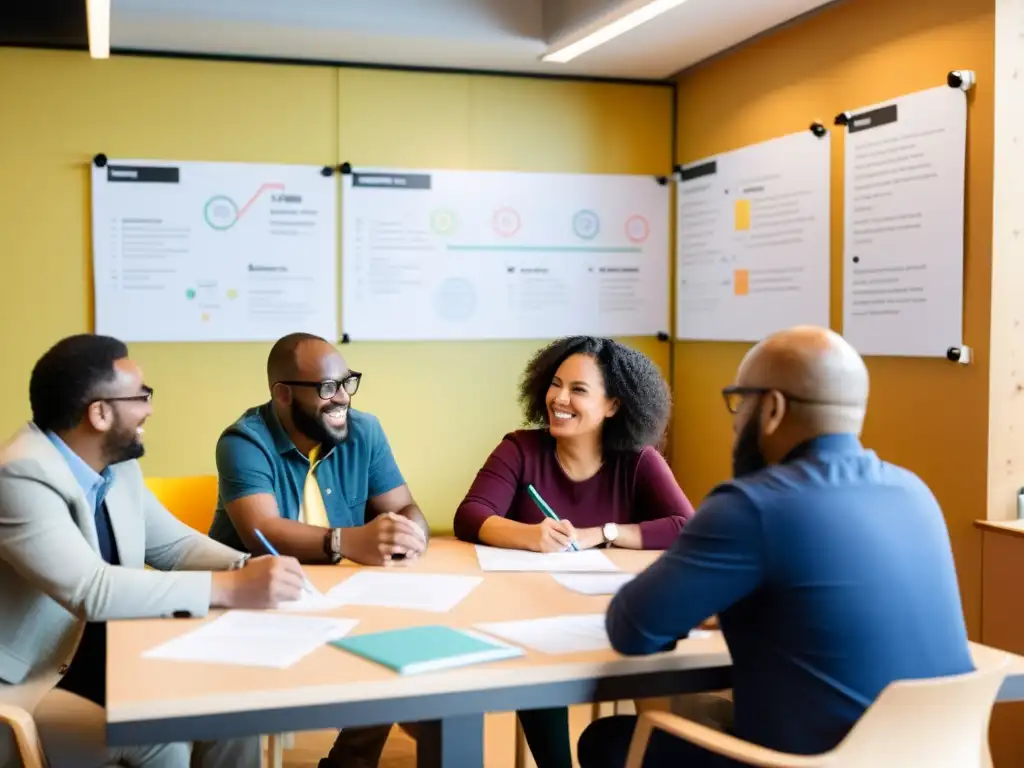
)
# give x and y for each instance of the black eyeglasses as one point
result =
(145, 396)
(329, 387)
(733, 396)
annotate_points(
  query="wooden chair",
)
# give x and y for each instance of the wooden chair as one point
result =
(26, 738)
(934, 723)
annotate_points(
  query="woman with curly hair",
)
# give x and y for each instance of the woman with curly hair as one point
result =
(598, 409)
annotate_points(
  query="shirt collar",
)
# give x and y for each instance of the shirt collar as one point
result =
(842, 443)
(90, 481)
(283, 443)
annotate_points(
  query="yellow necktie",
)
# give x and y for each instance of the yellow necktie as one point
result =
(313, 510)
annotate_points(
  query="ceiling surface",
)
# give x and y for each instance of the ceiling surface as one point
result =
(499, 35)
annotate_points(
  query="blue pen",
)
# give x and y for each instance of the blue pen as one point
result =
(270, 550)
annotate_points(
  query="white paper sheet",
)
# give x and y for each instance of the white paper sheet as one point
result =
(253, 638)
(498, 559)
(312, 601)
(560, 634)
(903, 243)
(433, 592)
(594, 583)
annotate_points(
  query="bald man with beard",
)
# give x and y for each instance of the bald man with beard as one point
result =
(830, 569)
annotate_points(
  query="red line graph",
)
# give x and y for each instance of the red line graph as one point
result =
(263, 188)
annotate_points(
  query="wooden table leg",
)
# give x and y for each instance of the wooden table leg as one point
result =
(455, 742)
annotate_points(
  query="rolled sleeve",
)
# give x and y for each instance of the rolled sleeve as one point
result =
(243, 468)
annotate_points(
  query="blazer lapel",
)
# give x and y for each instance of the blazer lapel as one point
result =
(124, 523)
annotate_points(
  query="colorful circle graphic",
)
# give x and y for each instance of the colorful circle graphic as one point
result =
(506, 221)
(442, 221)
(586, 224)
(637, 229)
(220, 212)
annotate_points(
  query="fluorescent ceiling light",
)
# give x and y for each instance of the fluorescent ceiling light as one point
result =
(97, 13)
(608, 30)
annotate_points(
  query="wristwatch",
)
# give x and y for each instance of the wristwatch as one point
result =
(332, 545)
(610, 531)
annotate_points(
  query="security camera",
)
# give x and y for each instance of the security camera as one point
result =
(960, 355)
(964, 79)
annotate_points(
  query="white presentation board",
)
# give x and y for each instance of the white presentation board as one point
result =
(195, 251)
(752, 240)
(445, 255)
(903, 244)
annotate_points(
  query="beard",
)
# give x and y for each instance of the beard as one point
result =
(747, 457)
(313, 426)
(122, 443)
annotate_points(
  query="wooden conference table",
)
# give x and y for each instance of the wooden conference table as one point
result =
(157, 701)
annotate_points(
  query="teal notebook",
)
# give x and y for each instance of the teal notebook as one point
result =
(427, 649)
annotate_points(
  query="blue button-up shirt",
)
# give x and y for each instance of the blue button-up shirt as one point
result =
(832, 576)
(86, 675)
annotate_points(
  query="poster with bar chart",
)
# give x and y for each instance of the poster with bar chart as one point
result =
(197, 251)
(752, 240)
(447, 255)
(903, 245)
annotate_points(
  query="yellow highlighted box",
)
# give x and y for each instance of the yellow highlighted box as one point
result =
(742, 215)
(741, 282)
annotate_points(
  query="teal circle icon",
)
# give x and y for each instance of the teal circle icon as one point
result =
(586, 224)
(442, 221)
(220, 212)
(190, 294)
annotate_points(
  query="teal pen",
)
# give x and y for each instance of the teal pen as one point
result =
(548, 511)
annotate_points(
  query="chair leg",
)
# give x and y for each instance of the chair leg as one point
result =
(26, 737)
(522, 748)
(275, 750)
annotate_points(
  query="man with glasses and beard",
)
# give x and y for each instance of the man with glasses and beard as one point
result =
(77, 528)
(830, 570)
(317, 478)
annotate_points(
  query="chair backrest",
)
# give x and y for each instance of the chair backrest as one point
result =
(933, 723)
(192, 500)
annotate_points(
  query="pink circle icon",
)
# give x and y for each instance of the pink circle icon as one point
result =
(637, 229)
(506, 221)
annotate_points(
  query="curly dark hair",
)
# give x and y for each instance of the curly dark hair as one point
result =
(629, 375)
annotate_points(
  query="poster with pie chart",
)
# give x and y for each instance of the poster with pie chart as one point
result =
(450, 255)
(208, 251)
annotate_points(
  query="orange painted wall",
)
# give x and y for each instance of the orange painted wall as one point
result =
(928, 415)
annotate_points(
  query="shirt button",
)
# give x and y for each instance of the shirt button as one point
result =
(63, 669)
(328, 491)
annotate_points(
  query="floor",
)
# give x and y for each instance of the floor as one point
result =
(499, 741)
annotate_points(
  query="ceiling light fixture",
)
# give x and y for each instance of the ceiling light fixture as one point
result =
(607, 29)
(97, 13)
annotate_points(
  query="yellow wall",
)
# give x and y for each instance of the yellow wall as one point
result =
(443, 405)
(927, 415)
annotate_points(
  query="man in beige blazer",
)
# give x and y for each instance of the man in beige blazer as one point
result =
(77, 528)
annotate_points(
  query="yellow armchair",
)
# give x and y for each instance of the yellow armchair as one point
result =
(192, 500)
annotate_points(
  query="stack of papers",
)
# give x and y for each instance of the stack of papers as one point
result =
(416, 591)
(498, 559)
(593, 583)
(254, 639)
(556, 635)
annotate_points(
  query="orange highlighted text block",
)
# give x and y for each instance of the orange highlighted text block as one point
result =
(741, 282)
(742, 215)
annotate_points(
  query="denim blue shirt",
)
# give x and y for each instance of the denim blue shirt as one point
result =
(94, 484)
(255, 455)
(832, 576)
